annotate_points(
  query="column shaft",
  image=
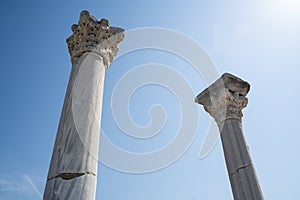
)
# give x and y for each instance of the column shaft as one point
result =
(244, 183)
(73, 167)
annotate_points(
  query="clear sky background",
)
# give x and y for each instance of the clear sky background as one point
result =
(257, 40)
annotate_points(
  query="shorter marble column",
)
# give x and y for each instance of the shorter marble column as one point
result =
(224, 101)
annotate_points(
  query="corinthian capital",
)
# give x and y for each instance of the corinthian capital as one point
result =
(225, 98)
(91, 35)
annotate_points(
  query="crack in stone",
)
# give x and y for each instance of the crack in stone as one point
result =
(242, 167)
(70, 175)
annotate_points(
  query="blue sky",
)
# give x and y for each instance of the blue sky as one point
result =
(256, 40)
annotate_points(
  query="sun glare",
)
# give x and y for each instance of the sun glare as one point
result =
(283, 14)
(286, 8)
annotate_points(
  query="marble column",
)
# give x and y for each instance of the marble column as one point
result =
(224, 101)
(73, 168)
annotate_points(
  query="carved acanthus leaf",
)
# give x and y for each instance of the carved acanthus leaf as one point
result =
(227, 105)
(91, 35)
(225, 98)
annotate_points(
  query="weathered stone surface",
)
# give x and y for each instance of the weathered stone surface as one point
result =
(82, 187)
(76, 145)
(240, 169)
(93, 35)
(73, 168)
(225, 98)
(224, 101)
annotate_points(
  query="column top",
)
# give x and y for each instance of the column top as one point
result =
(91, 35)
(225, 98)
(226, 81)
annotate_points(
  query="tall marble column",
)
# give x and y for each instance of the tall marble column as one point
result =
(224, 101)
(73, 168)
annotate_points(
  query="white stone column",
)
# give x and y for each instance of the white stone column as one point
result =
(224, 101)
(73, 168)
